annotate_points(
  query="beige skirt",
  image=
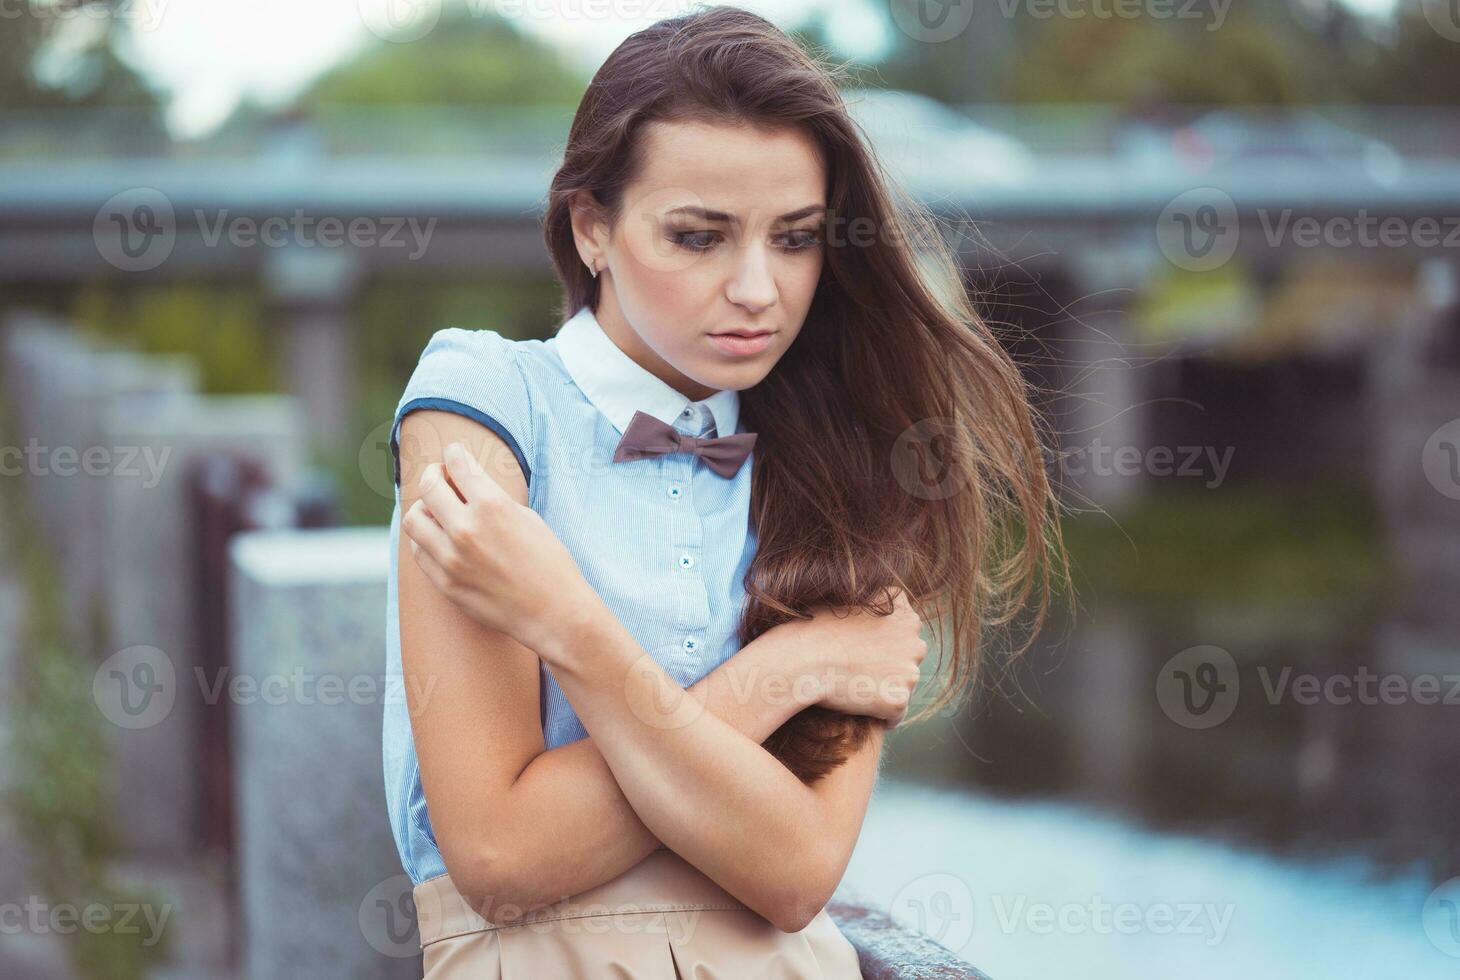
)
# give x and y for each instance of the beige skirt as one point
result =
(663, 919)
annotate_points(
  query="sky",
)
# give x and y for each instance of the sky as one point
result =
(206, 54)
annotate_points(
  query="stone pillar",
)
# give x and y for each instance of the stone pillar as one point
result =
(311, 291)
(319, 874)
(149, 684)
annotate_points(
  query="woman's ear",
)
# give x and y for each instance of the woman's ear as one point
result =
(587, 219)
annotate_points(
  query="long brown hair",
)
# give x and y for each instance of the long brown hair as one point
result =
(897, 444)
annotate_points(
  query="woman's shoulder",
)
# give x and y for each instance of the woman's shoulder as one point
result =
(495, 380)
(458, 352)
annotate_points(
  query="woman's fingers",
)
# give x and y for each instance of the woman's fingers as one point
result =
(442, 500)
(431, 568)
(469, 476)
(427, 536)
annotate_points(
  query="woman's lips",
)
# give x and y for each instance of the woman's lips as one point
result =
(742, 344)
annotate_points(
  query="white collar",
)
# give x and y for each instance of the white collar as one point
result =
(618, 386)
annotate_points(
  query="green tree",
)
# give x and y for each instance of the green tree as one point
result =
(466, 60)
(59, 55)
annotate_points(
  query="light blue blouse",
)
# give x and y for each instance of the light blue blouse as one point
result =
(665, 540)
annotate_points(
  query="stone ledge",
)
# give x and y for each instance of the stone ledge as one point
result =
(888, 951)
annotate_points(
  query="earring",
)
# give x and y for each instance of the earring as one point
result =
(594, 268)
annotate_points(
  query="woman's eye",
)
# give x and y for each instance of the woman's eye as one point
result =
(695, 241)
(798, 241)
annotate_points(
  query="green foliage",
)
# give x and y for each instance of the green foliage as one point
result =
(220, 326)
(58, 796)
(1251, 545)
(52, 61)
(1124, 60)
(465, 60)
(396, 319)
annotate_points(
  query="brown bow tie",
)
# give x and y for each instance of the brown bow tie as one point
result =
(647, 436)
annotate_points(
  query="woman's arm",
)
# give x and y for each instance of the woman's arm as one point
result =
(697, 783)
(518, 825)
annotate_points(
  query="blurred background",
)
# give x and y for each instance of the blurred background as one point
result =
(1222, 236)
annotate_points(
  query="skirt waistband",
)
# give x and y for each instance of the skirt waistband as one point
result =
(662, 882)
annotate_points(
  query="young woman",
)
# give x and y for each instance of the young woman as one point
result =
(663, 577)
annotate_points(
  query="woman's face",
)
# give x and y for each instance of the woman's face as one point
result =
(720, 235)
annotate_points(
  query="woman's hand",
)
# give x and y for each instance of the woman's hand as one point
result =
(868, 664)
(497, 560)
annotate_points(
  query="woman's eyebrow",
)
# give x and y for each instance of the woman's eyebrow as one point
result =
(709, 215)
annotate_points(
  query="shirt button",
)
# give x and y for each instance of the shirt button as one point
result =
(687, 412)
(674, 491)
(691, 644)
(686, 561)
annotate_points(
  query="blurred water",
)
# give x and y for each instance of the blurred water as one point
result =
(1034, 890)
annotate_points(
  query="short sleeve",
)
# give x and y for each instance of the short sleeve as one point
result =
(475, 373)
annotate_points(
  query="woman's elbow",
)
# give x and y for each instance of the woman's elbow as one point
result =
(805, 895)
(495, 887)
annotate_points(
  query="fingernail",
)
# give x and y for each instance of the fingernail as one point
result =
(454, 451)
(428, 477)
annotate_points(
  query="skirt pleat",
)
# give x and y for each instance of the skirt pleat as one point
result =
(661, 920)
